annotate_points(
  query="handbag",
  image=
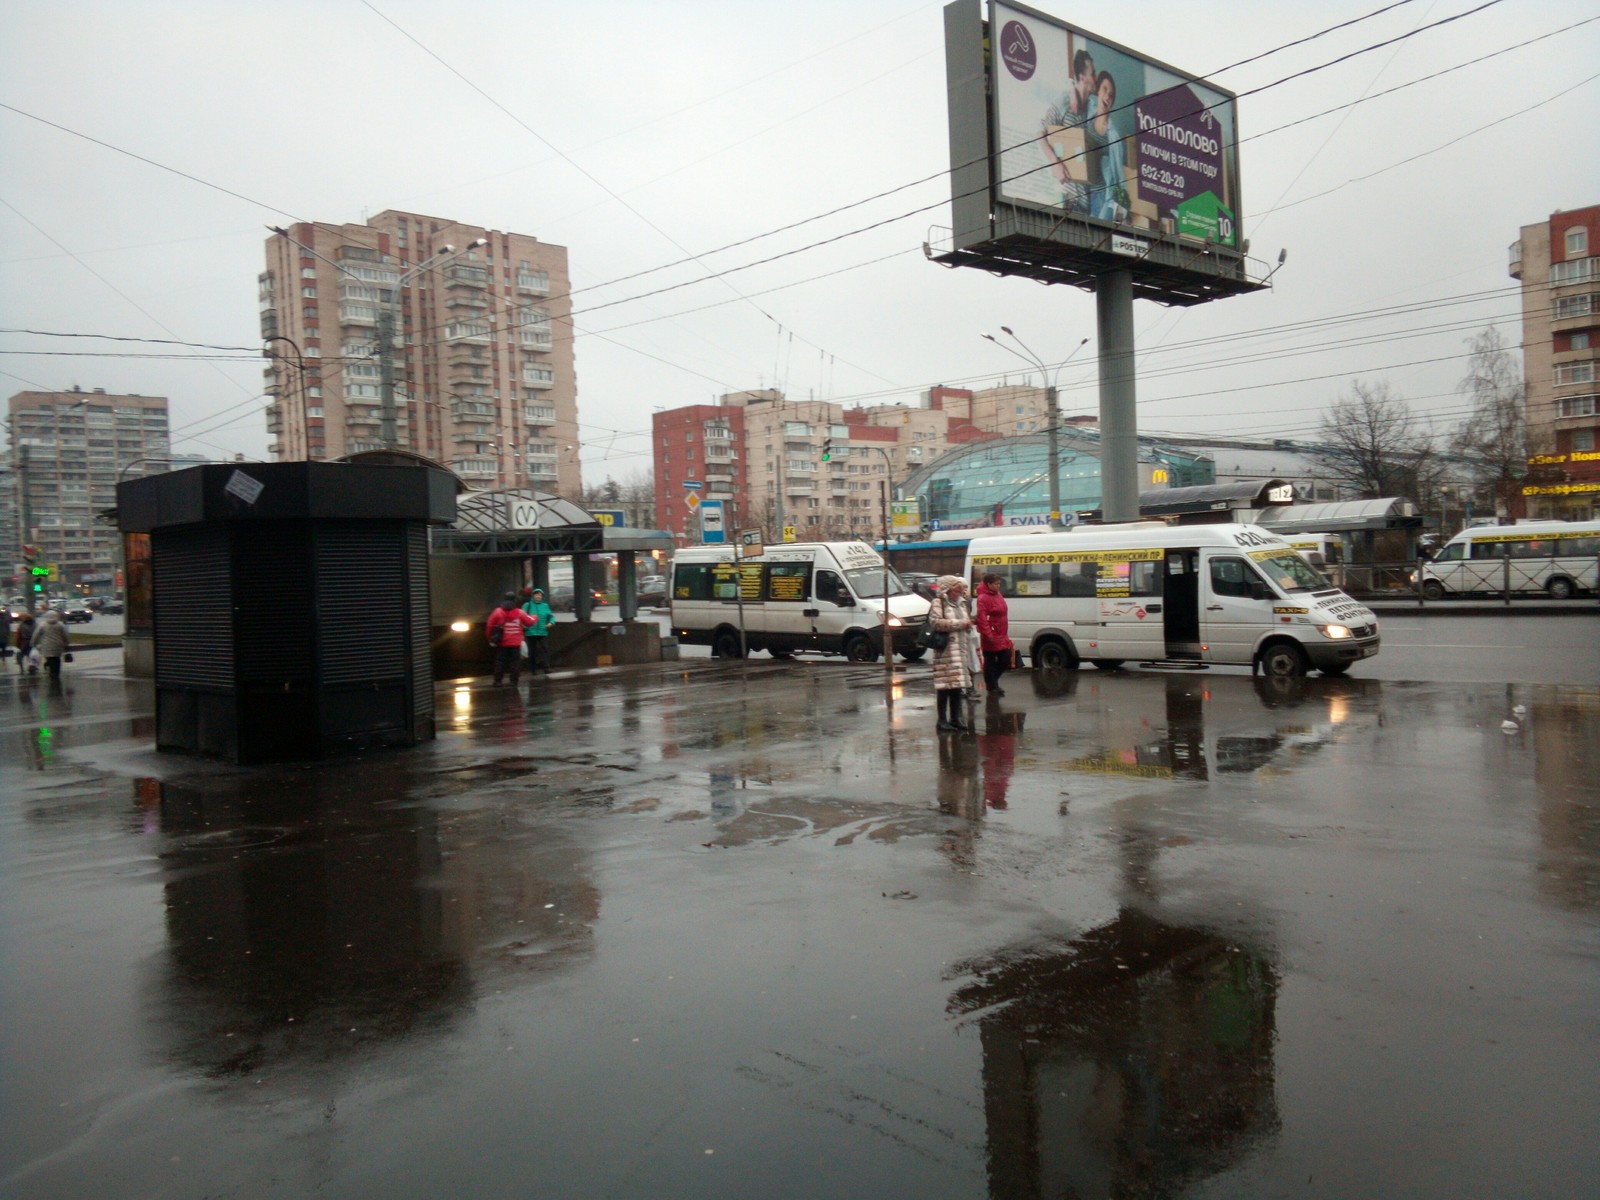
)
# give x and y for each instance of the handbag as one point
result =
(497, 633)
(930, 638)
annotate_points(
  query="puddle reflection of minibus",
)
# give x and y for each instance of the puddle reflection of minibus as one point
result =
(817, 597)
(1235, 594)
(1558, 558)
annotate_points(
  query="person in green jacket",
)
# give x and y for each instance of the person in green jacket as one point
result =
(538, 635)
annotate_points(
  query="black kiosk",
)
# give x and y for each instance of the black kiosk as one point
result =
(289, 605)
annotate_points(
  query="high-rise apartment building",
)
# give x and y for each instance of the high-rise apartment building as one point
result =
(481, 359)
(68, 452)
(1558, 262)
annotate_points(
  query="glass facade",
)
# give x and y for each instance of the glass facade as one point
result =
(987, 483)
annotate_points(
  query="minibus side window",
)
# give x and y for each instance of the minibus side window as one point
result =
(1453, 552)
(1233, 577)
(1488, 549)
(1533, 548)
(1144, 579)
(1589, 546)
(691, 581)
(1023, 579)
(1077, 579)
(787, 581)
(831, 589)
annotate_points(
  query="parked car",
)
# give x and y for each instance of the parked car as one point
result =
(561, 597)
(921, 583)
(77, 612)
(652, 590)
(111, 606)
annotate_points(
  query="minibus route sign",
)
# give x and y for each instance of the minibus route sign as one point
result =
(1151, 554)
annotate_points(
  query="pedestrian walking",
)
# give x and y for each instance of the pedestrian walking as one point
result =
(25, 628)
(952, 664)
(52, 642)
(994, 634)
(504, 631)
(538, 634)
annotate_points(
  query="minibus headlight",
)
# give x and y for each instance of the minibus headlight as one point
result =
(459, 626)
(895, 622)
(1336, 632)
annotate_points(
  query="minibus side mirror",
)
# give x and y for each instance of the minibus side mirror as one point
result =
(844, 600)
(1260, 591)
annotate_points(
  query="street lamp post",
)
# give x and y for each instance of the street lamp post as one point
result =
(300, 376)
(388, 320)
(1052, 405)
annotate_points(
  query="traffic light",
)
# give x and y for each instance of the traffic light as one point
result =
(827, 448)
(39, 575)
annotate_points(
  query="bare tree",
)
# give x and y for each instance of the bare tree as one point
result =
(1496, 433)
(638, 498)
(1372, 441)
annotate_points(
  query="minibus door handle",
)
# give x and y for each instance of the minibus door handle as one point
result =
(1213, 608)
(811, 612)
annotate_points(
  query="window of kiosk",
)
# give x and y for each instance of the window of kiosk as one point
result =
(788, 582)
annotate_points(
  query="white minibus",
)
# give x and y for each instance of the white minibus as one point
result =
(1558, 558)
(1143, 592)
(816, 597)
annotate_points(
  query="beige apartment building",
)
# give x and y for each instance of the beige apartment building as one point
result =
(68, 452)
(1558, 263)
(761, 454)
(484, 379)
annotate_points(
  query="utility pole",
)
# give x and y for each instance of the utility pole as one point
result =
(387, 432)
(1053, 410)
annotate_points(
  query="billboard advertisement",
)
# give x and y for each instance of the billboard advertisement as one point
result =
(1088, 129)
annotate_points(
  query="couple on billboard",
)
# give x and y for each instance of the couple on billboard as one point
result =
(1086, 147)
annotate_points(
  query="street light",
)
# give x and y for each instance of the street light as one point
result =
(1051, 403)
(300, 374)
(387, 320)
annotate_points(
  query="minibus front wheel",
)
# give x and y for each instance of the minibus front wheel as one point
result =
(858, 648)
(1433, 590)
(1283, 660)
(1560, 589)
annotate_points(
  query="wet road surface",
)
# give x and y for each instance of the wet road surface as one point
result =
(723, 929)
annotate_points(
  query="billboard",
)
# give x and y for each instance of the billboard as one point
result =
(1088, 129)
(1072, 157)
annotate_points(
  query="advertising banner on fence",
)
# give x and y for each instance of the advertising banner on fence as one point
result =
(1092, 130)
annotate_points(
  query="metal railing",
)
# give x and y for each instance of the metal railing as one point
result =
(1501, 579)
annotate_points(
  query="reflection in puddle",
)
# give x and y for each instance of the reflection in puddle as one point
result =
(1134, 1060)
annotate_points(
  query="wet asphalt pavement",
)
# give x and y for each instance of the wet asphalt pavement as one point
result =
(715, 929)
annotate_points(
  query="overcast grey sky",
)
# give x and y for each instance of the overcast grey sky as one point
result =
(633, 133)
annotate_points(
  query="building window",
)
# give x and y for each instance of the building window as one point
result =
(1578, 270)
(1578, 372)
(1577, 242)
(1580, 341)
(1578, 406)
(1583, 440)
(1576, 306)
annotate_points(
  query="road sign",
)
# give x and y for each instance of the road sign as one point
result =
(712, 531)
(692, 485)
(905, 515)
(692, 500)
(750, 543)
(790, 533)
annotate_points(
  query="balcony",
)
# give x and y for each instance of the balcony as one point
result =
(475, 468)
(352, 421)
(465, 275)
(535, 283)
(470, 300)
(538, 377)
(714, 477)
(1514, 254)
(536, 337)
(539, 415)
(541, 471)
(798, 487)
(358, 314)
(475, 333)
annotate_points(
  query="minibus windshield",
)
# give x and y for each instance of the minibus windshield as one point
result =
(1291, 572)
(867, 582)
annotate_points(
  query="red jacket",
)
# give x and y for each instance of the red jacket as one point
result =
(514, 619)
(992, 621)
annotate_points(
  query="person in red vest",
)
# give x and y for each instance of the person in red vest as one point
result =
(505, 627)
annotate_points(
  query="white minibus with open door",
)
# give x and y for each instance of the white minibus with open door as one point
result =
(801, 597)
(1152, 593)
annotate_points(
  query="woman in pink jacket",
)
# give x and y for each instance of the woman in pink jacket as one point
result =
(993, 636)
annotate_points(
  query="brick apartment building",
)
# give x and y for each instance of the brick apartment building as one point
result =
(1558, 262)
(484, 371)
(68, 451)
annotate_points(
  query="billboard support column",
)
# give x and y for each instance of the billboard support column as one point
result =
(1119, 421)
